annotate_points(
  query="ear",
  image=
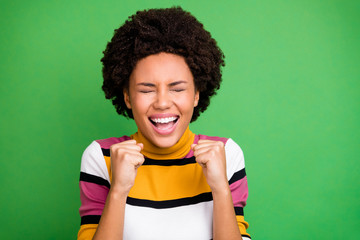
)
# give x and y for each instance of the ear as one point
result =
(197, 97)
(127, 98)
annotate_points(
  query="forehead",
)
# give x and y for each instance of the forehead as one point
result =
(162, 67)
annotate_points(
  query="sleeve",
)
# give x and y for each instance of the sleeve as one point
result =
(94, 187)
(238, 183)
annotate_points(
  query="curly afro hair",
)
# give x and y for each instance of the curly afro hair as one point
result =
(170, 30)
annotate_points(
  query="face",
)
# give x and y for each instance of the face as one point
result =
(162, 98)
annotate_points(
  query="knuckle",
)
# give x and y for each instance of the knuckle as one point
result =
(112, 147)
(220, 144)
(126, 155)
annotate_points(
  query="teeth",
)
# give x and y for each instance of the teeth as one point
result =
(163, 120)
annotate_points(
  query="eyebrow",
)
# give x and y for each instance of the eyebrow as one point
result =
(147, 84)
(177, 83)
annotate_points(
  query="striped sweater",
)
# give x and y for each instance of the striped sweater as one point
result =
(170, 199)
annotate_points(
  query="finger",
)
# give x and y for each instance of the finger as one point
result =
(201, 151)
(127, 142)
(130, 152)
(140, 145)
(202, 160)
(201, 142)
(205, 145)
(212, 143)
(205, 141)
(124, 143)
(131, 141)
(125, 156)
(138, 161)
(130, 156)
(125, 147)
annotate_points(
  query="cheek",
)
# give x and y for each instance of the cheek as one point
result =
(186, 103)
(140, 104)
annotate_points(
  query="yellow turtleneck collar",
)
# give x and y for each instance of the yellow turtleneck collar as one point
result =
(179, 150)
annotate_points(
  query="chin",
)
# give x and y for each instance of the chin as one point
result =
(165, 143)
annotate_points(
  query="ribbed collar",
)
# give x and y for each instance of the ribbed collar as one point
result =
(179, 150)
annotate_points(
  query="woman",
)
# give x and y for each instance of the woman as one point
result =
(160, 69)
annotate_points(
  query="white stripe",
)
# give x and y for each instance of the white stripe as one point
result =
(245, 238)
(186, 222)
(93, 162)
(234, 158)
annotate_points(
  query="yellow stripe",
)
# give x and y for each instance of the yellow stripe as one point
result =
(159, 183)
(243, 225)
(87, 231)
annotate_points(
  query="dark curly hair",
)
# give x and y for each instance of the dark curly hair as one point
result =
(170, 30)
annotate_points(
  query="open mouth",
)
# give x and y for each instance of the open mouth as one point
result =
(164, 123)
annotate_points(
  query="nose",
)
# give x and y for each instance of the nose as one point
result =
(163, 100)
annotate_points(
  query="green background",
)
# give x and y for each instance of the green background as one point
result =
(290, 99)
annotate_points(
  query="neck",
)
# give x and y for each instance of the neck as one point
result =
(179, 150)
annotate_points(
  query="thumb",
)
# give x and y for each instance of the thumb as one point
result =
(140, 145)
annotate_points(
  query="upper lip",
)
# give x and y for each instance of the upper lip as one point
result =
(163, 115)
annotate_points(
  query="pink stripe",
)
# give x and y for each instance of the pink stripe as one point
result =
(93, 198)
(239, 192)
(204, 137)
(106, 143)
(190, 154)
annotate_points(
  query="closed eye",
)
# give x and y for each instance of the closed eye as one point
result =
(146, 91)
(145, 87)
(178, 90)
